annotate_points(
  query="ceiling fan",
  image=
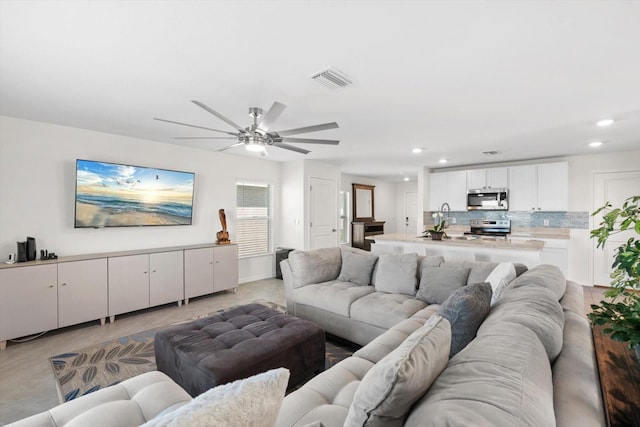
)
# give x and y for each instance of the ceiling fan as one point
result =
(258, 136)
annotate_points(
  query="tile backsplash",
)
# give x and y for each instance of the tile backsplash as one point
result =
(578, 220)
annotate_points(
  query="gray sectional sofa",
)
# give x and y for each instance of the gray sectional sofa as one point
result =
(530, 363)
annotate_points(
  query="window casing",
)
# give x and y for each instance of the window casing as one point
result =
(254, 226)
(344, 217)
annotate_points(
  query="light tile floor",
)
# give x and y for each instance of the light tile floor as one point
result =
(27, 384)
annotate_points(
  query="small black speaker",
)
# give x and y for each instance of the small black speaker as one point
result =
(21, 255)
(31, 249)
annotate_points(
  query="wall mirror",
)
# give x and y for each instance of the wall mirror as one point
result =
(363, 206)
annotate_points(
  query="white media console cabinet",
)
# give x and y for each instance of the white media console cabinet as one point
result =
(39, 296)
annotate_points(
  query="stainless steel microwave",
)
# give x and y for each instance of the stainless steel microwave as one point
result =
(488, 199)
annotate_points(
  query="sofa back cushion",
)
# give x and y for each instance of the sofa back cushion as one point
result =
(357, 266)
(502, 379)
(396, 273)
(438, 283)
(387, 392)
(544, 275)
(465, 310)
(534, 307)
(499, 278)
(423, 261)
(316, 266)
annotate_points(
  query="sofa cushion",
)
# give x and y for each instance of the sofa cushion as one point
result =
(333, 296)
(499, 278)
(479, 270)
(534, 307)
(383, 309)
(326, 397)
(387, 342)
(544, 275)
(465, 309)
(389, 389)
(251, 401)
(429, 260)
(438, 283)
(501, 380)
(357, 266)
(396, 273)
(319, 265)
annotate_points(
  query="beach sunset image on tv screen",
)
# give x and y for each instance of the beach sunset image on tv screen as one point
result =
(113, 195)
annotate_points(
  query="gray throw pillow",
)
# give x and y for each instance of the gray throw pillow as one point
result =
(389, 389)
(466, 309)
(357, 266)
(396, 273)
(438, 283)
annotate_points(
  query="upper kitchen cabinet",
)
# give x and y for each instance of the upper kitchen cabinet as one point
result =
(488, 178)
(450, 187)
(542, 187)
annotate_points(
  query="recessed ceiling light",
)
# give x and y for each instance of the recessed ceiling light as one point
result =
(406, 178)
(442, 161)
(416, 150)
(605, 122)
(595, 144)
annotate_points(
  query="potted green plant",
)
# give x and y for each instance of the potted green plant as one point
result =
(439, 224)
(619, 312)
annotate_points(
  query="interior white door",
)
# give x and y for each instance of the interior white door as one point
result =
(614, 187)
(410, 212)
(323, 213)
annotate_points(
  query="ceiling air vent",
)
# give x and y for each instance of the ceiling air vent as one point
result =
(489, 153)
(332, 78)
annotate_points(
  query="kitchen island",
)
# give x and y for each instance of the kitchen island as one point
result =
(470, 248)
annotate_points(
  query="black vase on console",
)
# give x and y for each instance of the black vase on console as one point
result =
(21, 254)
(31, 249)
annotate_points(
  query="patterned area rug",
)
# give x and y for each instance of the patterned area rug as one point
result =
(92, 368)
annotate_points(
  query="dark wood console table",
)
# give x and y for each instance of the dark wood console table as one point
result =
(619, 380)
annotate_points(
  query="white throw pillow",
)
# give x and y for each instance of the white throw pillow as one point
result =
(499, 278)
(253, 401)
(387, 392)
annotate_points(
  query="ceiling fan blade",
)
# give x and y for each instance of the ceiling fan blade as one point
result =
(312, 141)
(193, 126)
(307, 129)
(290, 147)
(204, 137)
(231, 146)
(272, 115)
(220, 116)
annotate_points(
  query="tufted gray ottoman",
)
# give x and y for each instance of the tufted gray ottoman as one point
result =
(236, 344)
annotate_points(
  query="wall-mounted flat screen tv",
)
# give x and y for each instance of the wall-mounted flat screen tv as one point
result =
(114, 195)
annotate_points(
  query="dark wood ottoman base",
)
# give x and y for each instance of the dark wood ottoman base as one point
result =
(238, 343)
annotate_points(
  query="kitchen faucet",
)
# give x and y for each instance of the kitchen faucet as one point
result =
(445, 204)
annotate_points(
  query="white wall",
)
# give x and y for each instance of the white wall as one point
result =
(37, 187)
(385, 199)
(291, 206)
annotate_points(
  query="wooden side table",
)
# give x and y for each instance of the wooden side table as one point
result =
(619, 380)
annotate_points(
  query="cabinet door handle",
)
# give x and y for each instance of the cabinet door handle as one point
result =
(211, 262)
(145, 272)
(51, 286)
(64, 284)
(153, 271)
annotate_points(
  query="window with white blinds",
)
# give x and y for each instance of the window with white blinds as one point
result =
(253, 219)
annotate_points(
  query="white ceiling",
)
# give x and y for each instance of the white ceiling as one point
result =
(528, 79)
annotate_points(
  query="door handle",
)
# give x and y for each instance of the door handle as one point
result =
(333, 230)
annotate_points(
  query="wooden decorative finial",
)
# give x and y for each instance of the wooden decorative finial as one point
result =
(223, 235)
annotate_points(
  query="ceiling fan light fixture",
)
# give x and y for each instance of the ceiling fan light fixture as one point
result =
(255, 147)
(604, 123)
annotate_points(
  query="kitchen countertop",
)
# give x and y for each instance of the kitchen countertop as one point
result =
(518, 232)
(466, 241)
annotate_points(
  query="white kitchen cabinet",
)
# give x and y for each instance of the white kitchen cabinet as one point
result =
(553, 186)
(225, 267)
(82, 292)
(488, 178)
(438, 190)
(450, 187)
(28, 301)
(166, 280)
(542, 187)
(128, 284)
(523, 188)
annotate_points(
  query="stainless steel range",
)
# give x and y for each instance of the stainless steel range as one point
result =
(490, 227)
